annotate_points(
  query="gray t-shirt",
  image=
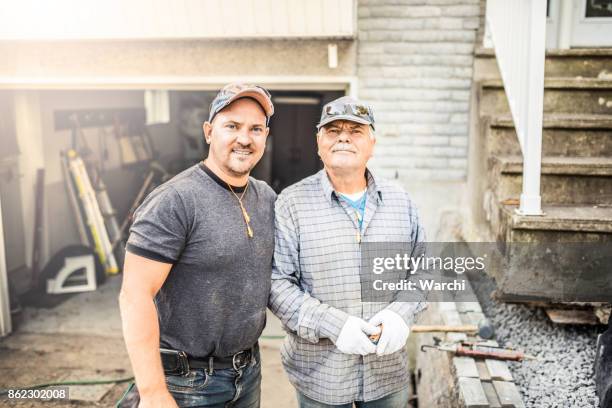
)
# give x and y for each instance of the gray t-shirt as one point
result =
(214, 299)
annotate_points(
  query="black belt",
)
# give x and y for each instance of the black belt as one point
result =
(179, 363)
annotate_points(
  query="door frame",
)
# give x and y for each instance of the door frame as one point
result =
(566, 26)
(5, 304)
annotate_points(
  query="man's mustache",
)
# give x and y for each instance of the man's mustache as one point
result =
(343, 147)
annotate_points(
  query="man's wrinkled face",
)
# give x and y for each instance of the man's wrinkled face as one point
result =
(237, 137)
(345, 145)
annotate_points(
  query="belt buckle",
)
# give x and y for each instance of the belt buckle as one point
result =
(235, 361)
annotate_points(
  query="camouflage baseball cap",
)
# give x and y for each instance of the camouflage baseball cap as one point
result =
(347, 108)
(231, 92)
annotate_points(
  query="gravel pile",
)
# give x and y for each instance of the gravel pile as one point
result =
(563, 374)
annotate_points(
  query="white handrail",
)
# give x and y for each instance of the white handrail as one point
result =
(517, 30)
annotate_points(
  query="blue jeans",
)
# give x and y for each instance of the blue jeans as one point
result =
(223, 388)
(398, 399)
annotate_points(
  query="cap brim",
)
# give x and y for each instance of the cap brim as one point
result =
(259, 96)
(344, 117)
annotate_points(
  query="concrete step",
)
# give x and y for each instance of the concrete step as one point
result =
(564, 180)
(559, 256)
(581, 62)
(563, 135)
(564, 218)
(561, 95)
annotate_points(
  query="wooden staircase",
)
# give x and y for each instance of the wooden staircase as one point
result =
(576, 175)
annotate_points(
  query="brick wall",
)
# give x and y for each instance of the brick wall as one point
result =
(414, 64)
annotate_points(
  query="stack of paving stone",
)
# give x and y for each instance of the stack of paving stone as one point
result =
(445, 380)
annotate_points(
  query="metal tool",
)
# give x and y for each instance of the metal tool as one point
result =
(479, 350)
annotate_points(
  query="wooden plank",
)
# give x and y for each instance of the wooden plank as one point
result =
(465, 367)
(491, 394)
(483, 371)
(508, 394)
(572, 316)
(472, 393)
(499, 370)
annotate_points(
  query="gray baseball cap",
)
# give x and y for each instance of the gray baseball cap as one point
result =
(231, 92)
(347, 108)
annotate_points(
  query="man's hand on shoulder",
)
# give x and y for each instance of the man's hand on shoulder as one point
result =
(353, 338)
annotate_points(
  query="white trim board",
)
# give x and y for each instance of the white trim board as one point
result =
(204, 83)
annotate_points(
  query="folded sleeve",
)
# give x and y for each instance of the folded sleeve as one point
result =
(160, 226)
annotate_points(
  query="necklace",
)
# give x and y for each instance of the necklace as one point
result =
(245, 215)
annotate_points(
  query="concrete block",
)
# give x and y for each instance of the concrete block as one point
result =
(483, 371)
(472, 10)
(444, 23)
(468, 307)
(458, 141)
(471, 23)
(475, 317)
(399, 11)
(457, 163)
(459, 118)
(431, 140)
(451, 318)
(508, 394)
(499, 370)
(472, 393)
(491, 395)
(465, 367)
(447, 306)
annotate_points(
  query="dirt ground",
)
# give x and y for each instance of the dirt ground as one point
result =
(81, 339)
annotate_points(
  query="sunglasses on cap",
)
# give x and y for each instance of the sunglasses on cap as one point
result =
(351, 109)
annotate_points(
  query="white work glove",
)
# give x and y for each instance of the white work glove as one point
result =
(394, 334)
(353, 338)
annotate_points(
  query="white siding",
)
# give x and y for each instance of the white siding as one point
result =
(162, 19)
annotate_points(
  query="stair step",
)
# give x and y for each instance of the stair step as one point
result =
(562, 135)
(564, 180)
(561, 121)
(560, 83)
(575, 166)
(584, 62)
(579, 218)
(559, 257)
(561, 95)
(557, 53)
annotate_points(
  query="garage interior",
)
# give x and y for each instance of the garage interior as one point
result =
(130, 141)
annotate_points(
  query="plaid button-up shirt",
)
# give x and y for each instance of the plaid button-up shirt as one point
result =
(316, 286)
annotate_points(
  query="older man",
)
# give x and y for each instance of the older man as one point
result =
(321, 224)
(197, 269)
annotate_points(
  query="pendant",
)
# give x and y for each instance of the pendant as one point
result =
(246, 215)
(249, 231)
